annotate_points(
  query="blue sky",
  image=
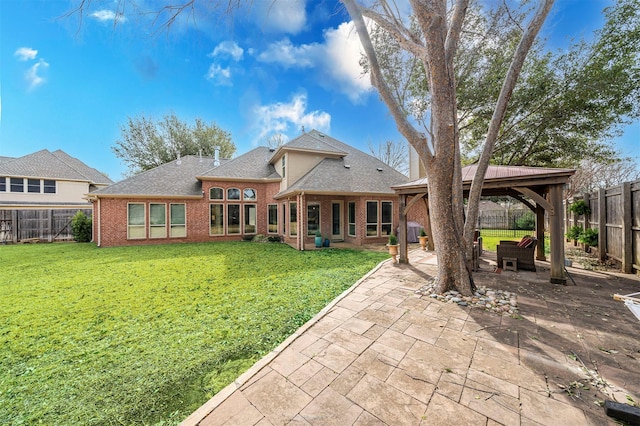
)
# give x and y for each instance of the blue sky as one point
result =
(71, 87)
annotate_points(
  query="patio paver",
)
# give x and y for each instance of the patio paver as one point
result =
(382, 355)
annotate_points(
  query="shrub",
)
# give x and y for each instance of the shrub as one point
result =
(393, 240)
(422, 232)
(275, 239)
(574, 233)
(527, 221)
(81, 227)
(580, 207)
(259, 238)
(589, 237)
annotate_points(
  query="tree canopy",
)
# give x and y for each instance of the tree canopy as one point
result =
(566, 107)
(146, 143)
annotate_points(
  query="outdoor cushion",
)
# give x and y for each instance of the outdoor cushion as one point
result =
(525, 242)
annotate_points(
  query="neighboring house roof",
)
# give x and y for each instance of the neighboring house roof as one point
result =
(487, 205)
(254, 165)
(176, 178)
(355, 172)
(3, 159)
(52, 165)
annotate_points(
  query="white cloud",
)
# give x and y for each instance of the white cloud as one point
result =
(220, 76)
(25, 53)
(284, 16)
(283, 52)
(288, 117)
(337, 58)
(229, 48)
(34, 79)
(105, 15)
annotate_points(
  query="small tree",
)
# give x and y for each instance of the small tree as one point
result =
(81, 227)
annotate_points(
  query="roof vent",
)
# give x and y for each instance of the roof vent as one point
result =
(347, 166)
(321, 135)
(379, 169)
(216, 156)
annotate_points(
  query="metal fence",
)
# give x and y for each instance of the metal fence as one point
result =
(505, 223)
(43, 225)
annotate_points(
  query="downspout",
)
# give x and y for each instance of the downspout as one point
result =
(99, 227)
(301, 225)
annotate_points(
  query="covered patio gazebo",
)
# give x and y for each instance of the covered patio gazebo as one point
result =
(538, 188)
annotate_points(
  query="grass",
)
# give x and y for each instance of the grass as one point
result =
(489, 241)
(145, 335)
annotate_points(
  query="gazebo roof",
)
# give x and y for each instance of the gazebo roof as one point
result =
(497, 177)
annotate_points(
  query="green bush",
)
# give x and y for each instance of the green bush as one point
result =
(81, 227)
(574, 233)
(527, 221)
(589, 237)
(393, 240)
(580, 207)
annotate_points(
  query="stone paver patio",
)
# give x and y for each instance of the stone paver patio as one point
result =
(380, 354)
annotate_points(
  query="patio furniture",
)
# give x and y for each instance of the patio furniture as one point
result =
(510, 264)
(524, 255)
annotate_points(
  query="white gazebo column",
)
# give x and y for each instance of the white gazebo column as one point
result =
(557, 235)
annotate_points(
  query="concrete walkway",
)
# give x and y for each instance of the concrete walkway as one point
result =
(382, 355)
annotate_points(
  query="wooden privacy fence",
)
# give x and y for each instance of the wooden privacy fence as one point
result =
(46, 225)
(615, 213)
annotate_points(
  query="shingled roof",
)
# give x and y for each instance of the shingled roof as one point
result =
(254, 165)
(355, 172)
(52, 165)
(176, 178)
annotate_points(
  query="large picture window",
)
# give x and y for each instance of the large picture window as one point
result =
(372, 218)
(17, 185)
(178, 220)
(352, 218)
(293, 219)
(33, 185)
(250, 218)
(157, 221)
(386, 221)
(313, 218)
(136, 226)
(233, 218)
(272, 218)
(216, 226)
(49, 186)
(216, 193)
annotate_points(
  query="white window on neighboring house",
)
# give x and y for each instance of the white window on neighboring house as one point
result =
(17, 185)
(49, 186)
(33, 185)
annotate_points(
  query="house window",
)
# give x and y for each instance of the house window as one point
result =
(249, 194)
(157, 221)
(284, 165)
(272, 218)
(216, 226)
(216, 193)
(249, 218)
(293, 219)
(284, 216)
(233, 194)
(17, 185)
(313, 218)
(372, 218)
(352, 218)
(33, 185)
(178, 220)
(386, 222)
(136, 221)
(3, 184)
(49, 186)
(233, 218)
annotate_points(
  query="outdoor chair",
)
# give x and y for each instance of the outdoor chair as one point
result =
(524, 254)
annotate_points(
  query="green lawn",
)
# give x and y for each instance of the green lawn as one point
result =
(144, 335)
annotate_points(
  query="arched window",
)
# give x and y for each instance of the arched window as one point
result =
(216, 193)
(249, 194)
(233, 194)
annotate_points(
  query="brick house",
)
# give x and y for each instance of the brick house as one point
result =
(313, 182)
